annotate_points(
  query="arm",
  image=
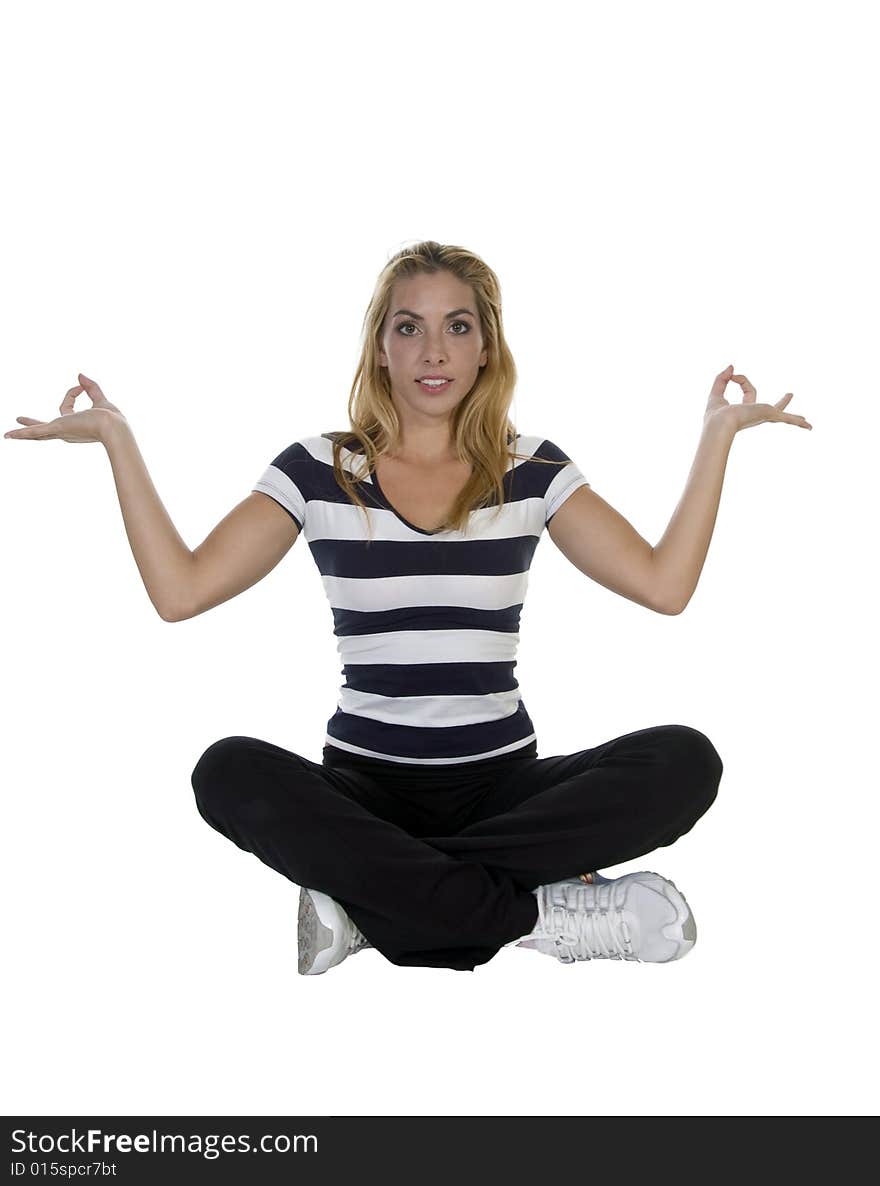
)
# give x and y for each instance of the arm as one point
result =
(163, 559)
(605, 546)
(679, 557)
(240, 551)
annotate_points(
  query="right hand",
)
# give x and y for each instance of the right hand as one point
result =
(76, 427)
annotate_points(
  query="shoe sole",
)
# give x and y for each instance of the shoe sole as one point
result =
(313, 937)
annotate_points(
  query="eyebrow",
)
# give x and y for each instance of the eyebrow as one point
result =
(417, 317)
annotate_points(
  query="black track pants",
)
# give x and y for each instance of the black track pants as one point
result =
(435, 864)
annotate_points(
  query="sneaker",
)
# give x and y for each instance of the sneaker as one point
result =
(640, 917)
(326, 934)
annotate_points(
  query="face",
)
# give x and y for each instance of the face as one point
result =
(438, 334)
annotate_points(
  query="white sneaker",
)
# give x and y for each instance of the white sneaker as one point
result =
(326, 935)
(641, 917)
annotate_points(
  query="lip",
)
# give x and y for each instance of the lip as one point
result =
(427, 387)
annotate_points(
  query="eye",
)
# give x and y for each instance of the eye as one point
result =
(404, 324)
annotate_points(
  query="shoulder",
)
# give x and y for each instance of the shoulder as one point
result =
(544, 470)
(537, 449)
(309, 461)
(311, 451)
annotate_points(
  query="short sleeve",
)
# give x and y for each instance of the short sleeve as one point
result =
(566, 479)
(288, 479)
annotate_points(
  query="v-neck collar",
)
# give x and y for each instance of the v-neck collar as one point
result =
(421, 530)
(374, 478)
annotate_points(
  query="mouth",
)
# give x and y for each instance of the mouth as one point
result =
(434, 385)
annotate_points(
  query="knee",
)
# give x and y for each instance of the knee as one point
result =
(214, 775)
(698, 765)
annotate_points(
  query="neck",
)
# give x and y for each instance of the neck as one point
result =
(424, 446)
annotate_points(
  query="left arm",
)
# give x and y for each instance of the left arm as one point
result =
(604, 546)
(680, 555)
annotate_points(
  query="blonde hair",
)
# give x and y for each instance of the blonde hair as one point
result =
(481, 429)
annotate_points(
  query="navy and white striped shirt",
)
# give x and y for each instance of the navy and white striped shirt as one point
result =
(427, 621)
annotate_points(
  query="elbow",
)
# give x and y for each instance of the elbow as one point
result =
(669, 602)
(171, 615)
(670, 609)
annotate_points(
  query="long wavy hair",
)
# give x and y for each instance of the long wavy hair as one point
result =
(481, 428)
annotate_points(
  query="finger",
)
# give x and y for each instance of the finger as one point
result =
(749, 392)
(90, 387)
(780, 403)
(69, 400)
(27, 420)
(27, 434)
(721, 382)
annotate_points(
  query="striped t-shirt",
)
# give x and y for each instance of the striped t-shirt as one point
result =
(427, 621)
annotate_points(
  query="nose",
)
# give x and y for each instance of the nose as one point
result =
(434, 347)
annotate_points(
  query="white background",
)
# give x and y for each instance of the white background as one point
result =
(198, 200)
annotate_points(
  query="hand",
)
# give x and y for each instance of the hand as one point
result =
(76, 427)
(744, 415)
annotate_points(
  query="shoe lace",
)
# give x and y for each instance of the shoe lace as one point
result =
(358, 940)
(590, 924)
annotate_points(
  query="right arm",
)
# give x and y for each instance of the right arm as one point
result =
(240, 550)
(243, 548)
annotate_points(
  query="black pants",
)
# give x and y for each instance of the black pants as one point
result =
(435, 864)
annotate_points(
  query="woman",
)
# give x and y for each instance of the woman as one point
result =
(431, 830)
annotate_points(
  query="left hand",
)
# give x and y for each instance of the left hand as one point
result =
(744, 415)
